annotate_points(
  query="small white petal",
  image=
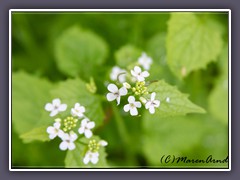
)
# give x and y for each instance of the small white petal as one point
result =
(52, 136)
(94, 159)
(123, 91)
(168, 99)
(134, 73)
(118, 100)
(88, 133)
(157, 103)
(148, 104)
(137, 69)
(112, 88)
(73, 136)
(81, 130)
(126, 108)
(57, 125)
(50, 130)
(65, 136)
(145, 74)
(71, 146)
(153, 96)
(90, 125)
(133, 111)
(62, 107)
(138, 104)
(103, 143)
(152, 109)
(56, 102)
(54, 113)
(60, 134)
(140, 78)
(81, 109)
(84, 122)
(111, 97)
(86, 159)
(48, 107)
(131, 99)
(63, 146)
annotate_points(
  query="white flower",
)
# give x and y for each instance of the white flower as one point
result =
(86, 126)
(68, 141)
(78, 110)
(91, 156)
(115, 74)
(55, 107)
(103, 143)
(55, 130)
(115, 93)
(152, 103)
(132, 106)
(126, 85)
(145, 61)
(137, 72)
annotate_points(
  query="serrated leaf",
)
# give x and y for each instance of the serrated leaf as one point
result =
(127, 55)
(74, 159)
(192, 42)
(169, 136)
(35, 134)
(179, 103)
(74, 90)
(80, 52)
(29, 96)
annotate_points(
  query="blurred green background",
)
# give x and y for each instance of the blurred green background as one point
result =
(35, 39)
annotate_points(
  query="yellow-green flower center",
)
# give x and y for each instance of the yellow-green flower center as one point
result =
(69, 123)
(93, 146)
(140, 88)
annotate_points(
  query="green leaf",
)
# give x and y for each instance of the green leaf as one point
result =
(74, 159)
(127, 55)
(74, 90)
(192, 42)
(35, 134)
(80, 52)
(29, 96)
(169, 136)
(179, 103)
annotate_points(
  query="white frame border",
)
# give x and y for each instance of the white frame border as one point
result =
(120, 10)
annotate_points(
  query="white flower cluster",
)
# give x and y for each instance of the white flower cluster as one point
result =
(65, 128)
(138, 89)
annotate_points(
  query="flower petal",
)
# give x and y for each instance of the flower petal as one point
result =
(54, 113)
(148, 104)
(84, 122)
(63, 146)
(56, 102)
(138, 104)
(133, 111)
(126, 108)
(88, 133)
(62, 107)
(140, 78)
(57, 125)
(90, 125)
(48, 107)
(94, 159)
(152, 109)
(157, 103)
(145, 74)
(131, 99)
(103, 143)
(134, 73)
(86, 159)
(111, 97)
(118, 100)
(123, 91)
(81, 109)
(60, 134)
(81, 130)
(52, 136)
(137, 69)
(112, 88)
(73, 136)
(50, 130)
(71, 146)
(153, 96)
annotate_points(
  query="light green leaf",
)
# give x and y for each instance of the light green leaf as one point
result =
(179, 103)
(192, 42)
(35, 134)
(169, 136)
(29, 96)
(74, 90)
(74, 159)
(80, 52)
(127, 55)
